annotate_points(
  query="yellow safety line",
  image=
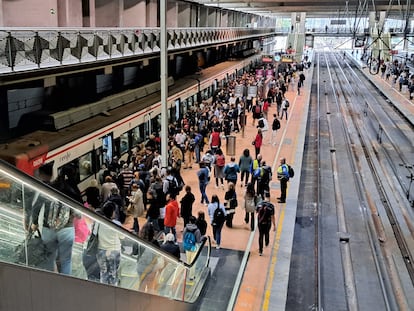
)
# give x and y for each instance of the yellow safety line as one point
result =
(274, 260)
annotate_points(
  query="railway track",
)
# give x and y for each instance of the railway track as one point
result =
(357, 154)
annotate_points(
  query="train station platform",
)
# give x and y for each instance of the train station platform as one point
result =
(400, 99)
(240, 278)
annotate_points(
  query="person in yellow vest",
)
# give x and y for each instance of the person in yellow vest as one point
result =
(283, 177)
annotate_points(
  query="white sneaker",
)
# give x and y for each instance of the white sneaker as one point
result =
(218, 247)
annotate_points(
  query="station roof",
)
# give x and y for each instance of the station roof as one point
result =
(314, 8)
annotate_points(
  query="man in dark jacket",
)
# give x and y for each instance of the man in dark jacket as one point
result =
(170, 247)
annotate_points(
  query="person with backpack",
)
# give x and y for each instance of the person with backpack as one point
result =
(231, 170)
(217, 214)
(265, 218)
(245, 162)
(230, 204)
(263, 125)
(275, 127)
(170, 183)
(283, 176)
(219, 164)
(203, 175)
(285, 106)
(264, 179)
(257, 111)
(191, 241)
(250, 202)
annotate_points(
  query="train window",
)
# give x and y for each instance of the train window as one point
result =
(85, 166)
(156, 124)
(183, 107)
(137, 135)
(124, 146)
(107, 147)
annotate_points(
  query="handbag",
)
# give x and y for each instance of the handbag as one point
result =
(32, 251)
(93, 242)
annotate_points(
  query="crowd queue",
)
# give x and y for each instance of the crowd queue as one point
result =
(141, 186)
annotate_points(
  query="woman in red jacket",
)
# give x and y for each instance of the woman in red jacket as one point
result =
(258, 141)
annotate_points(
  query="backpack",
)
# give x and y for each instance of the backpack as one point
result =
(261, 123)
(58, 215)
(189, 241)
(291, 172)
(266, 174)
(264, 212)
(219, 217)
(220, 161)
(257, 109)
(276, 124)
(173, 186)
(287, 103)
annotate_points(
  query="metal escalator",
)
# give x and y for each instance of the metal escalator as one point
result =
(147, 277)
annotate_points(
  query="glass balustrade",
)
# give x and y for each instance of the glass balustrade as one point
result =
(122, 259)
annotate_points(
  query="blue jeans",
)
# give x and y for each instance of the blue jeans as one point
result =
(204, 197)
(59, 243)
(217, 233)
(108, 265)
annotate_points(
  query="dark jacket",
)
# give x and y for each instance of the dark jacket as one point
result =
(171, 248)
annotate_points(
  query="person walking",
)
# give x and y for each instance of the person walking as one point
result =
(203, 175)
(245, 162)
(250, 202)
(231, 170)
(187, 205)
(283, 177)
(191, 241)
(265, 219)
(258, 141)
(201, 223)
(285, 106)
(219, 164)
(275, 127)
(217, 214)
(230, 204)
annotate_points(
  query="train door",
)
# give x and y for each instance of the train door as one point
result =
(107, 153)
(175, 111)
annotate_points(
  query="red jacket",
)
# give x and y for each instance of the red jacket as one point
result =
(258, 141)
(171, 213)
(215, 139)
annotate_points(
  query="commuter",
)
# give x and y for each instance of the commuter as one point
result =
(137, 206)
(203, 175)
(264, 178)
(219, 164)
(145, 256)
(217, 214)
(215, 140)
(208, 159)
(257, 111)
(172, 212)
(170, 183)
(125, 176)
(230, 204)
(263, 125)
(245, 162)
(156, 199)
(198, 141)
(255, 165)
(170, 247)
(231, 170)
(189, 151)
(191, 241)
(250, 202)
(116, 200)
(92, 193)
(275, 127)
(258, 141)
(187, 205)
(265, 219)
(279, 99)
(109, 248)
(106, 188)
(58, 233)
(283, 177)
(265, 108)
(201, 223)
(285, 106)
